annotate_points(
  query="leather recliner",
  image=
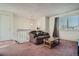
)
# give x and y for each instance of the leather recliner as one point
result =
(37, 37)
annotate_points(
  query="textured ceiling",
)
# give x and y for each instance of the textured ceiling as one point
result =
(39, 9)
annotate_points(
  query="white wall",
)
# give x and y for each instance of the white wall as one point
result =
(29, 23)
(67, 35)
(41, 23)
(24, 23)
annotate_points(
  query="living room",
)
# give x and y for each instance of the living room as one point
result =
(18, 19)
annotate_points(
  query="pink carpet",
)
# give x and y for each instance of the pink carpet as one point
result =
(66, 48)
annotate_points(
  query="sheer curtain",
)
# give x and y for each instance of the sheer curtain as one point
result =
(51, 27)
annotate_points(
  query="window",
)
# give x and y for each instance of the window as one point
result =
(69, 22)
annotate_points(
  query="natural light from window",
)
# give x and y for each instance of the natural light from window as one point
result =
(69, 23)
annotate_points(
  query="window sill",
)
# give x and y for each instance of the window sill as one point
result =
(69, 29)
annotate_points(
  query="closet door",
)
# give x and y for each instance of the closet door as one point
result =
(4, 27)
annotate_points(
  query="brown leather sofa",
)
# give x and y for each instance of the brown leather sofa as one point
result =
(37, 37)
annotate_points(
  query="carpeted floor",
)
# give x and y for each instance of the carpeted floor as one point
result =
(11, 48)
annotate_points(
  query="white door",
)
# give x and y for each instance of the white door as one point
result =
(4, 27)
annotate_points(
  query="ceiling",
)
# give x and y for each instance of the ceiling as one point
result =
(39, 9)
